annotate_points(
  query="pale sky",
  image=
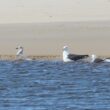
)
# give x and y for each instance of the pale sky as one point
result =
(22, 11)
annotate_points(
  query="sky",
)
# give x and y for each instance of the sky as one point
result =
(27, 11)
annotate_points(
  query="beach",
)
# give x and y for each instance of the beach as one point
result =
(47, 39)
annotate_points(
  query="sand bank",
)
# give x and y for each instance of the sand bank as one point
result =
(43, 39)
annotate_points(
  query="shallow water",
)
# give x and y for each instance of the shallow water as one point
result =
(54, 85)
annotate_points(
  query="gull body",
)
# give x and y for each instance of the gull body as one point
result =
(68, 57)
(20, 51)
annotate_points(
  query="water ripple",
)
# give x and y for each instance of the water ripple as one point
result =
(54, 85)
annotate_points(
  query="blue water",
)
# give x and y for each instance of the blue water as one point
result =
(54, 85)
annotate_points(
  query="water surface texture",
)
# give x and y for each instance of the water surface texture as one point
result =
(54, 85)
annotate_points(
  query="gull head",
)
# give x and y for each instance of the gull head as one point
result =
(19, 47)
(65, 48)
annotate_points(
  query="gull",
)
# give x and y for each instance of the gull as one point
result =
(68, 57)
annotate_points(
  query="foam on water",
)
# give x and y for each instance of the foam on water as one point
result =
(54, 85)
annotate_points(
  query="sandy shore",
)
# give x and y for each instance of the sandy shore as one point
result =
(43, 39)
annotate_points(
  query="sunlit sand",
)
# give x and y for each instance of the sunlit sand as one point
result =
(45, 40)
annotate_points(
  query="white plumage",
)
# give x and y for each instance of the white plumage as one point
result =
(20, 51)
(67, 57)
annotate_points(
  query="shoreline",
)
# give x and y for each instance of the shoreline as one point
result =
(33, 57)
(39, 57)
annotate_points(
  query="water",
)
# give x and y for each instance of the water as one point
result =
(54, 85)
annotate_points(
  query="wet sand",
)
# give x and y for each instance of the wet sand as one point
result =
(40, 57)
(47, 39)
